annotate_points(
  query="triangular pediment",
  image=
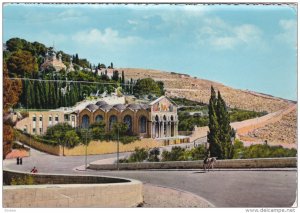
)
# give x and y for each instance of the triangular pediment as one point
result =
(162, 104)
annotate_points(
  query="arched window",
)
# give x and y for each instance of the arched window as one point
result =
(128, 121)
(112, 119)
(143, 124)
(85, 121)
(99, 118)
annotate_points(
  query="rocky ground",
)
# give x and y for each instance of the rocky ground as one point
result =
(283, 131)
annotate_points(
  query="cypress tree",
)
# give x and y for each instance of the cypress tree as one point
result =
(224, 128)
(215, 147)
(37, 96)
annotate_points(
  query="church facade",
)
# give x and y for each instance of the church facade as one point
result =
(157, 119)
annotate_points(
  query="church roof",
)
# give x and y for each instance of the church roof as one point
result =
(160, 98)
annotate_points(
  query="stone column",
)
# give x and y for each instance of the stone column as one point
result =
(163, 129)
(176, 128)
(153, 129)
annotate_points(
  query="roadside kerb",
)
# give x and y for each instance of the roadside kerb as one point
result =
(289, 162)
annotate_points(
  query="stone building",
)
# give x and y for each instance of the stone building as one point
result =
(51, 61)
(157, 119)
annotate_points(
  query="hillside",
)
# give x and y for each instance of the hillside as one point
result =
(280, 128)
(195, 89)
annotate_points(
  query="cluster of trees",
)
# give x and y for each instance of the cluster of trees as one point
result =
(11, 95)
(261, 151)
(67, 136)
(241, 115)
(220, 132)
(177, 153)
(147, 86)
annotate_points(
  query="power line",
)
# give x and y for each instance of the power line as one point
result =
(67, 81)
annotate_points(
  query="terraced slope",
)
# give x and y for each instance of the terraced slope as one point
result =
(180, 85)
(278, 127)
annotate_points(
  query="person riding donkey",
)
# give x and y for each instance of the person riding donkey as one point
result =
(209, 162)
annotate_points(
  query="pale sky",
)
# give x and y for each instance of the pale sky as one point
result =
(244, 47)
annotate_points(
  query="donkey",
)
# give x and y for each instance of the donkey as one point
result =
(209, 163)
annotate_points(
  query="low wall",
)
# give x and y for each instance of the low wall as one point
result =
(54, 150)
(90, 191)
(98, 147)
(236, 163)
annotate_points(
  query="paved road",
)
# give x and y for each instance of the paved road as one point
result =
(223, 188)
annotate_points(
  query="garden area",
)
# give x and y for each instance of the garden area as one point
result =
(199, 153)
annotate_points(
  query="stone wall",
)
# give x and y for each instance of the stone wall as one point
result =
(120, 194)
(236, 164)
(89, 191)
(98, 147)
(54, 150)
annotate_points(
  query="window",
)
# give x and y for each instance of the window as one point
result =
(33, 130)
(66, 117)
(73, 118)
(112, 119)
(128, 122)
(41, 130)
(143, 124)
(85, 121)
(50, 118)
(56, 118)
(99, 118)
(34, 118)
(41, 118)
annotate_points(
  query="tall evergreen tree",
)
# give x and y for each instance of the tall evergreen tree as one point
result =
(215, 147)
(224, 128)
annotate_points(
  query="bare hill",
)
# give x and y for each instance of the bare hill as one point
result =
(182, 85)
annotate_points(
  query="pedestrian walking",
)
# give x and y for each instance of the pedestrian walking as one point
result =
(21, 161)
(18, 160)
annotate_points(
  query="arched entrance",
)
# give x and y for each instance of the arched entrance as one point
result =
(128, 121)
(143, 124)
(112, 120)
(85, 121)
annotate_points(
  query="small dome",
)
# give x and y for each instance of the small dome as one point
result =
(101, 103)
(92, 107)
(144, 106)
(120, 107)
(134, 106)
(105, 107)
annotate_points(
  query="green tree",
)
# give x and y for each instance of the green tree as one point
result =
(71, 138)
(224, 128)
(146, 86)
(215, 147)
(22, 63)
(58, 133)
(98, 130)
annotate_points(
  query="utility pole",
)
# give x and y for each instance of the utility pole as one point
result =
(86, 149)
(30, 139)
(118, 150)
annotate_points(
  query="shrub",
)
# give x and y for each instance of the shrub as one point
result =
(139, 155)
(26, 180)
(261, 151)
(153, 155)
(176, 154)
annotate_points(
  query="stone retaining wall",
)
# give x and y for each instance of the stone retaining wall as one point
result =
(92, 191)
(236, 163)
(98, 147)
